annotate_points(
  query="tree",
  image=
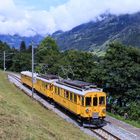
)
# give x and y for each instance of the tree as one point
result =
(22, 46)
(29, 50)
(121, 70)
(48, 55)
(49, 43)
(21, 62)
(78, 64)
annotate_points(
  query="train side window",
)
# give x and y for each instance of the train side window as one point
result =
(58, 91)
(64, 94)
(101, 100)
(88, 101)
(79, 99)
(46, 86)
(51, 87)
(82, 101)
(55, 90)
(95, 101)
(67, 94)
(75, 98)
(71, 96)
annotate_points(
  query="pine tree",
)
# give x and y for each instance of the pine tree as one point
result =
(22, 46)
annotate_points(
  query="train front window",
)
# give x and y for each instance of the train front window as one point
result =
(88, 101)
(102, 100)
(95, 101)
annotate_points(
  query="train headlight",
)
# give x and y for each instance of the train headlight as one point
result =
(87, 110)
(104, 110)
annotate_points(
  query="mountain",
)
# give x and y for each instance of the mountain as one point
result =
(95, 35)
(15, 40)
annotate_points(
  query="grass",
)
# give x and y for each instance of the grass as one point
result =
(131, 122)
(22, 118)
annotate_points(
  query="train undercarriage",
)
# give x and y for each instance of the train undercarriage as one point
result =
(94, 122)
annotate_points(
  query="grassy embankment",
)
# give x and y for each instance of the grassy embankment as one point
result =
(121, 118)
(21, 118)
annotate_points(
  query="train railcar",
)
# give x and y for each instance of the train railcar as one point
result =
(45, 84)
(83, 99)
(26, 78)
(42, 83)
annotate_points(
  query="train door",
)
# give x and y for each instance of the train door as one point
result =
(102, 106)
(95, 107)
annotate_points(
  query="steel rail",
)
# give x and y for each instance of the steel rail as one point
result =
(101, 132)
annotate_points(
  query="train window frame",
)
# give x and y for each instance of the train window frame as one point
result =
(88, 101)
(101, 100)
(95, 102)
(62, 93)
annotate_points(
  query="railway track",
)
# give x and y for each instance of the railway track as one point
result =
(104, 134)
(101, 133)
(16, 77)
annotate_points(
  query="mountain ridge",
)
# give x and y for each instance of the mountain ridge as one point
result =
(91, 36)
(15, 40)
(94, 35)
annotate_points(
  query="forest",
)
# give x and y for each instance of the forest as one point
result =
(117, 72)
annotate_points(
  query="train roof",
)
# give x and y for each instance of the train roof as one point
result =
(74, 86)
(47, 80)
(78, 84)
(78, 87)
(48, 76)
(28, 73)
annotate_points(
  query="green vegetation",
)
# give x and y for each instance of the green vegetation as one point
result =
(25, 119)
(117, 71)
(121, 75)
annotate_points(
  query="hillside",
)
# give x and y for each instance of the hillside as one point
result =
(95, 35)
(15, 40)
(25, 119)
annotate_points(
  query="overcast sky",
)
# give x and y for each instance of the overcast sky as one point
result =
(48, 16)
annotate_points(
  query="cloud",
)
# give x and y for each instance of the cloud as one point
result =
(17, 20)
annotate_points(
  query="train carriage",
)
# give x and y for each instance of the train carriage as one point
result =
(26, 78)
(83, 99)
(44, 84)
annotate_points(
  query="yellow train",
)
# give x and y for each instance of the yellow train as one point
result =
(83, 99)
